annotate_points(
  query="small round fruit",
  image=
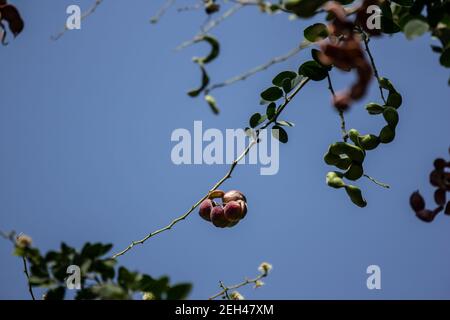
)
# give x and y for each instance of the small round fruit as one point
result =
(218, 217)
(205, 209)
(233, 211)
(232, 224)
(233, 195)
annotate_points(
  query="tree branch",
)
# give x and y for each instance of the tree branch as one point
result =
(366, 40)
(167, 4)
(341, 112)
(211, 25)
(218, 183)
(259, 68)
(11, 236)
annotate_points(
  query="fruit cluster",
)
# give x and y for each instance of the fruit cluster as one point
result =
(229, 213)
(439, 178)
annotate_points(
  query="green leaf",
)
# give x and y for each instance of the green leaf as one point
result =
(374, 108)
(55, 294)
(179, 291)
(257, 119)
(355, 195)
(280, 134)
(385, 83)
(287, 85)
(272, 94)
(415, 28)
(271, 110)
(445, 58)
(313, 70)
(394, 99)
(315, 56)
(215, 49)
(279, 78)
(285, 123)
(95, 250)
(205, 81)
(304, 8)
(212, 104)
(316, 32)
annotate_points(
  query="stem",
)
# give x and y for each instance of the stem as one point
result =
(366, 40)
(11, 236)
(211, 25)
(25, 270)
(384, 185)
(341, 113)
(225, 289)
(162, 11)
(259, 68)
(221, 181)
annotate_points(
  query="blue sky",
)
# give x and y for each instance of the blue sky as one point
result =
(85, 126)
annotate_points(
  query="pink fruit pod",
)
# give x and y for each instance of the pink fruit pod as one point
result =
(218, 217)
(205, 209)
(233, 195)
(234, 210)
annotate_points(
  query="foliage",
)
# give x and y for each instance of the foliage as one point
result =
(100, 279)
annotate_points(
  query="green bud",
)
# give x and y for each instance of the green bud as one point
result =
(386, 84)
(391, 116)
(374, 108)
(334, 181)
(369, 142)
(387, 134)
(354, 172)
(354, 135)
(212, 104)
(355, 195)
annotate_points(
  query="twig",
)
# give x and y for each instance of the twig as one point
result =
(257, 69)
(225, 289)
(384, 185)
(211, 25)
(25, 270)
(11, 236)
(167, 4)
(341, 112)
(221, 181)
(366, 40)
(83, 16)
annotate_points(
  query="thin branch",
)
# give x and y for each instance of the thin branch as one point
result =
(366, 40)
(341, 112)
(11, 236)
(225, 289)
(221, 181)
(166, 6)
(384, 185)
(83, 16)
(211, 25)
(25, 270)
(259, 68)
